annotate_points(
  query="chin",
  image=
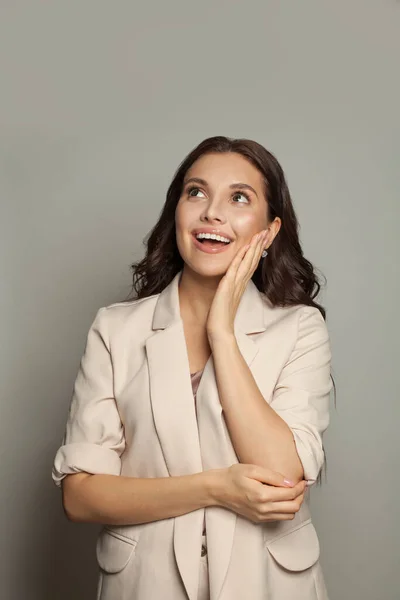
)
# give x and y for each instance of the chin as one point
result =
(209, 270)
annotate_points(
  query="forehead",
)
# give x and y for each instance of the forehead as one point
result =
(229, 167)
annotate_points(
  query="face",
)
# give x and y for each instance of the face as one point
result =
(222, 194)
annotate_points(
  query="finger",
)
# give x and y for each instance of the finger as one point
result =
(258, 249)
(292, 506)
(258, 252)
(255, 243)
(268, 476)
(236, 261)
(245, 268)
(283, 494)
(241, 261)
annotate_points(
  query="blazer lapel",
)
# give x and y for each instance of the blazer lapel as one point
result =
(191, 444)
(216, 447)
(175, 422)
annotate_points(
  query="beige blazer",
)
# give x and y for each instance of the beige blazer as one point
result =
(132, 413)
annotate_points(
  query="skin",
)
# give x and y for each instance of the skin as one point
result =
(210, 292)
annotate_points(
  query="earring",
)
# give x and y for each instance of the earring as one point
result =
(264, 253)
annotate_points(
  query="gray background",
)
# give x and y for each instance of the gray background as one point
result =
(99, 103)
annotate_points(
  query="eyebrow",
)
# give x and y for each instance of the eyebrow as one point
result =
(237, 186)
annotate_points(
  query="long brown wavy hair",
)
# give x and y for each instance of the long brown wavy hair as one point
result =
(285, 276)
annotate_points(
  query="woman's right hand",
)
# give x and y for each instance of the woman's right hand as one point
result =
(258, 493)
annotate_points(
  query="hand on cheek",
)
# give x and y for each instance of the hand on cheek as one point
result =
(231, 287)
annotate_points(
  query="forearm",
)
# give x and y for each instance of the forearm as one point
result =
(259, 435)
(118, 500)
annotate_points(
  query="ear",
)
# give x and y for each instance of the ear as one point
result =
(273, 230)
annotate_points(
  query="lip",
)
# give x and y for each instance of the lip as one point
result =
(208, 249)
(211, 230)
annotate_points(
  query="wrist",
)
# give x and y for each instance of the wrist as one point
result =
(213, 484)
(221, 337)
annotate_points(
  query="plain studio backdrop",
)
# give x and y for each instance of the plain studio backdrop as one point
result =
(99, 103)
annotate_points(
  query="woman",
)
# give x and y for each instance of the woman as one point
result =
(198, 411)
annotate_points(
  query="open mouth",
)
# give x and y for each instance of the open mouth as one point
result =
(211, 243)
(212, 240)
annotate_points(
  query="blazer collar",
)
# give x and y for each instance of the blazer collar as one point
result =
(249, 316)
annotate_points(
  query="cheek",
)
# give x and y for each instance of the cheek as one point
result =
(182, 227)
(180, 218)
(247, 225)
(186, 217)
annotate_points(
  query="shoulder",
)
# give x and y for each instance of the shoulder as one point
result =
(122, 316)
(130, 307)
(300, 319)
(297, 311)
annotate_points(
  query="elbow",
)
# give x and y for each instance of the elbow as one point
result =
(311, 459)
(71, 508)
(293, 470)
(72, 512)
(297, 475)
(71, 516)
(72, 498)
(297, 468)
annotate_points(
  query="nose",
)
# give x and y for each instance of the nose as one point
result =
(213, 212)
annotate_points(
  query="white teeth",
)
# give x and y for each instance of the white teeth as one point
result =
(212, 236)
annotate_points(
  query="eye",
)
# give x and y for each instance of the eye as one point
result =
(244, 195)
(193, 189)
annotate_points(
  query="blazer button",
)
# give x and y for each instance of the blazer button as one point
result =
(203, 550)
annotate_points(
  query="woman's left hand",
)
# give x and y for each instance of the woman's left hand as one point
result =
(227, 298)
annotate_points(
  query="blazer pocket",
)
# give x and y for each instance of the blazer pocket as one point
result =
(114, 551)
(296, 550)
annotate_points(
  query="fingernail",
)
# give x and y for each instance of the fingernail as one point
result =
(288, 482)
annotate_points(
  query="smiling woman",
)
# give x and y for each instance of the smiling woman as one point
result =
(196, 423)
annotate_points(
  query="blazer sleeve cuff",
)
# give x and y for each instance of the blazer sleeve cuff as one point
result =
(85, 458)
(311, 460)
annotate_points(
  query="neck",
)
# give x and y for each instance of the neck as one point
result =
(196, 294)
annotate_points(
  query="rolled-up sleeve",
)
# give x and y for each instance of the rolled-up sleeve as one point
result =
(302, 394)
(94, 438)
